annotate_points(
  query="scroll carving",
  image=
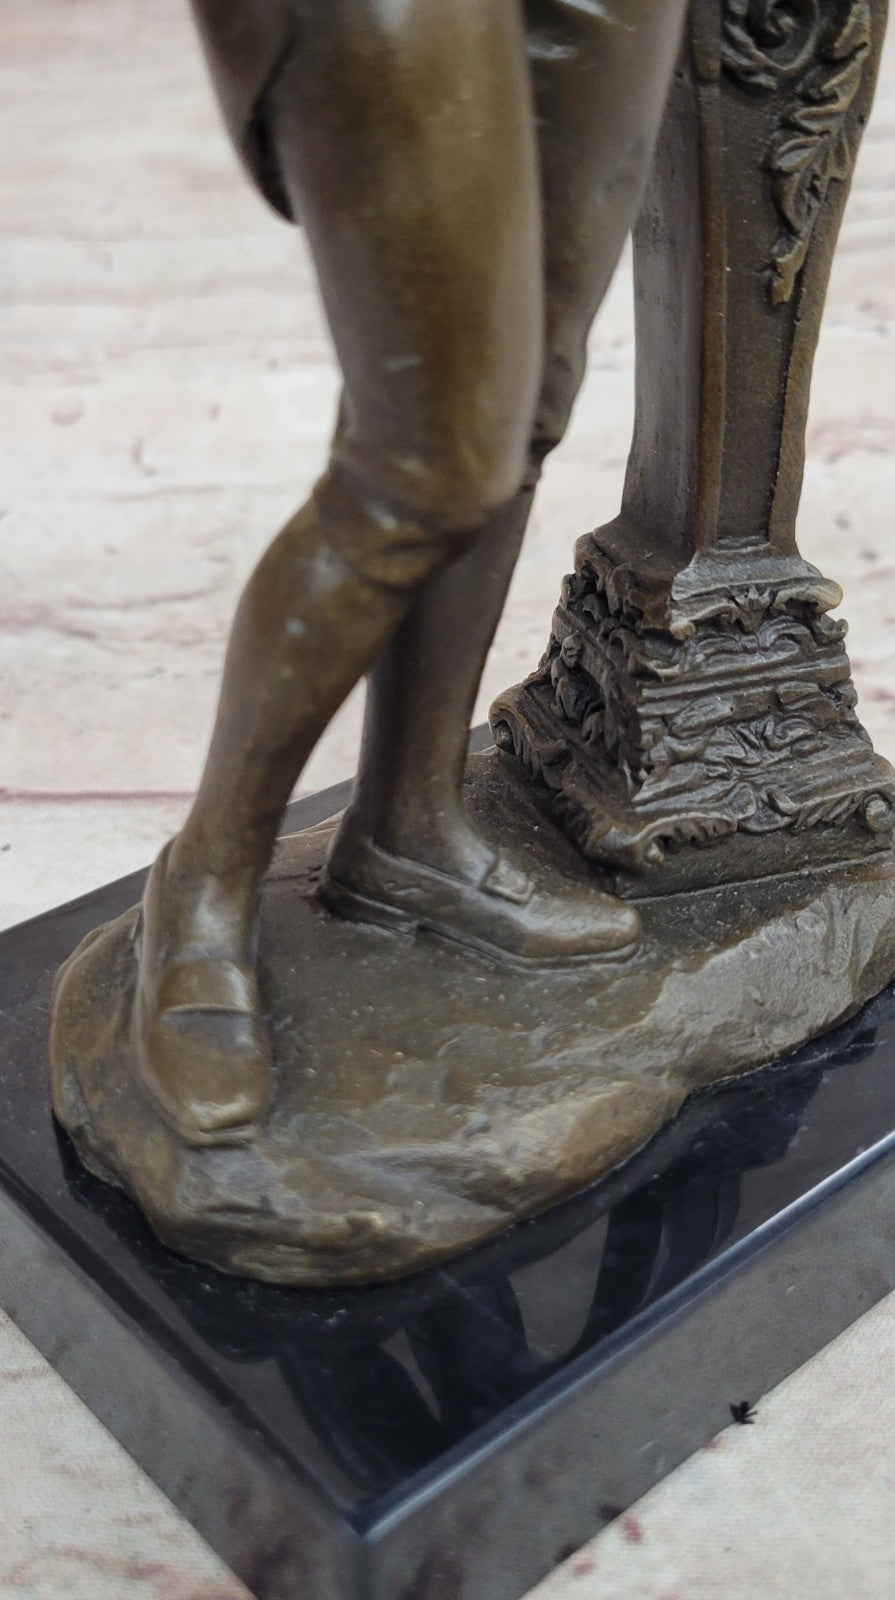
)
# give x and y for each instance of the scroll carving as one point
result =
(768, 42)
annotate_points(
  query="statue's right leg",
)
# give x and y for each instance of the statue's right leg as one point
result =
(405, 139)
(600, 77)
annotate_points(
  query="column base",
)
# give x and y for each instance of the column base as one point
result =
(690, 734)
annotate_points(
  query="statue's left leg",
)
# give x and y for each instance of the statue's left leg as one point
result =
(600, 75)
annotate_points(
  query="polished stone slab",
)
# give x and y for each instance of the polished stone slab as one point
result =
(452, 1437)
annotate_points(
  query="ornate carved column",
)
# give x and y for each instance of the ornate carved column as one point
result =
(695, 692)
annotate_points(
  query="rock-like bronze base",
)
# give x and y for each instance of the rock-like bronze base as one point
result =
(426, 1098)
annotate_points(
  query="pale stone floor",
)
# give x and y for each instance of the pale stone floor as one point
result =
(165, 398)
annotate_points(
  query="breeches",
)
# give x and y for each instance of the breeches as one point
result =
(466, 171)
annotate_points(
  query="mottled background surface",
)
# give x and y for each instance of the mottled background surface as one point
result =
(166, 393)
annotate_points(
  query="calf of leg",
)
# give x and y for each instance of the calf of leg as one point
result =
(420, 700)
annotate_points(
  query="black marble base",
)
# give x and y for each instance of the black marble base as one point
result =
(455, 1436)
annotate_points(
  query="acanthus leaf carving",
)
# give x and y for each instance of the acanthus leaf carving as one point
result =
(813, 148)
(768, 44)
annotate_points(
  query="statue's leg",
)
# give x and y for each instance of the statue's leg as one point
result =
(405, 138)
(600, 77)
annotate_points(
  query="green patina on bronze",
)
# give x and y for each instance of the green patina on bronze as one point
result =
(485, 984)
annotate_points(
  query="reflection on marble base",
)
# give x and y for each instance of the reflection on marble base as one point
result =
(452, 1436)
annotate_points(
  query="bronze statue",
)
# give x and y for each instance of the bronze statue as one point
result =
(291, 1096)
